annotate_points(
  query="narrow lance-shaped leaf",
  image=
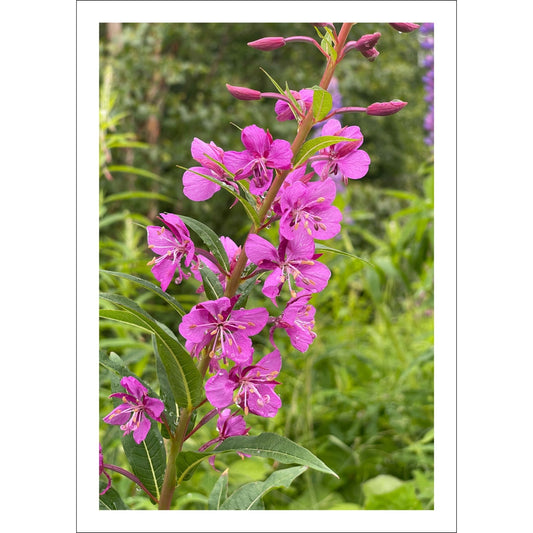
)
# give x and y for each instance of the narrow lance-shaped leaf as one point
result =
(147, 459)
(210, 238)
(267, 445)
(219, 492)
(322, 103)
(170, 300)
(184, 378)
(312, 146)
(248, 207)
(319, 247)
(213, 288)
(248, 496)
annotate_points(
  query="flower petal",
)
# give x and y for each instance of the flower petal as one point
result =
(196, 187)
(219, 389)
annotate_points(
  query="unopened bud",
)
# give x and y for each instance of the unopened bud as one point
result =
(404, 27)
(367, 41)
(268, 43)
(243, 93)
(366, 45)
(382, 109)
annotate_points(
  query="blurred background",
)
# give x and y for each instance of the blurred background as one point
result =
(361, 398)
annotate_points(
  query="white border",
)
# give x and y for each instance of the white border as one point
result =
(89, 15)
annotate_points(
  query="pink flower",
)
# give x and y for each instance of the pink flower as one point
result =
(228, 425)
(137, 406)
(198, 188)
(294, 259)
(344, 157)
(304, 99)
(298, 320)
(307, 208)
(262, 155)
(254, 386)
(171, 246)
(228, 330)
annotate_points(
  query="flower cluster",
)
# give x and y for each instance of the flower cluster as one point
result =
(294, 194)
(426, 43)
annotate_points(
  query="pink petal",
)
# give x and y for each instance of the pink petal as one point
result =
(196, 187)
(219, 389)
(259, 250)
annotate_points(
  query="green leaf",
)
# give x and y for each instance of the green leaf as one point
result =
(147, 459)
(248, 207)
(187, 462)
(171, 411)
(110, 501)
(219, 492)
(184, 378)
(319, 247)
(136, 171)
(314, 145)
(210, 238)
(322, 103)
(267, 445)
(249, 496)
(274, 447)
(213, 288)
(170, 300)
(135, 195)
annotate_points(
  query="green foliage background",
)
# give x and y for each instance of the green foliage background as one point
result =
(361, 398)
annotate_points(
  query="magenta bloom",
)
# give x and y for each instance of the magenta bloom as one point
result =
(307, 208)
(262, 154)
(295, 258)
(196, 187)
(136, 407)
(298, 320)
(254, 386)
(304, 99)
(171, 246)
(228, 425)
(344, 157)
(228, 329)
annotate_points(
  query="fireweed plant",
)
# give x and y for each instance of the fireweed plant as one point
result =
(280, 184)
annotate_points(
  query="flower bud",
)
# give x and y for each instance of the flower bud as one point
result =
(366, 45)
(404, 27)
(382, 109)
(243, 93)
(268, 43)
(367, 41)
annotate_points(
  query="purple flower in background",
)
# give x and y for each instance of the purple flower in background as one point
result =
(172, 245)
(254, 386)
(295, 258)
(198, 188)
(262, 155)
(426, 43)
(344, 157)
(228, 330)
(304, 99)
(298, 320)
(307, 208)
(133, 413)
(102, 471)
